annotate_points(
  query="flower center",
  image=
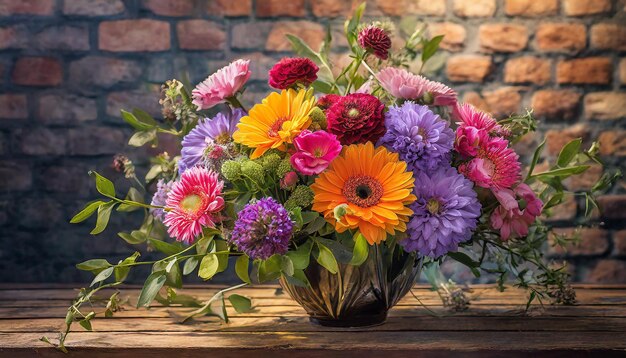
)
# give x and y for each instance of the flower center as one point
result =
(223, 138)
(353, 112)
(277, 126)
(363, 191)
(318, 152)
(191, 203)
(433, 206)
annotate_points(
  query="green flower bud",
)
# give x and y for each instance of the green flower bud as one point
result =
(231, 170)
(271, 162)
(253, 171)
(302, 196)
(283, 168)
(290, 204)
(339, 211)
(318, 119)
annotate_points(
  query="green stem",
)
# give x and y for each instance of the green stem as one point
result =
(359, 60)
(235, 103)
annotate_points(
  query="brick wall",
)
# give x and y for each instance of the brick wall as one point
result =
(68, 66)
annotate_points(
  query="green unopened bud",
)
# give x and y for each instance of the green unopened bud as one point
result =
(318, 119)
(283, 168)
(428, 98)
(290, 205)
(302, 196)
(231, 170)
(270, 162)
(253, 171)
(339, 211)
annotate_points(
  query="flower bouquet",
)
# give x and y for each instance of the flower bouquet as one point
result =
(341, 184)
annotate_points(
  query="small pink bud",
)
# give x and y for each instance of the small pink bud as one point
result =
(289, 181)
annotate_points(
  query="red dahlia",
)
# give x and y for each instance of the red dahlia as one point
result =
(290, 71)
(356, 118)
(375, 39)
(328, 100)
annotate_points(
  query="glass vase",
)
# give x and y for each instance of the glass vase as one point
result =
(357, 296)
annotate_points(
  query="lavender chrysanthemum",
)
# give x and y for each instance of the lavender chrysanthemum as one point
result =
(160, 197)
(421, 138)
(262, 229)
(445, 213)
(209, 134)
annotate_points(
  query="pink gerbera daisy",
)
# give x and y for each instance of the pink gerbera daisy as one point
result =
(469, 116)
(495, 166)
(221, 85)
(193, 203)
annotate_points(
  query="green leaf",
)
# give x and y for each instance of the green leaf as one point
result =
(316, 225)
(104, 213)
(121, 272)
(562, 172)
(361, 250)
(151, 287)
(203, 244)
(326, 258)
(104, 185)
(309, 216)
(464, 259)
(341, 252)
(190, 265)
(221, 246)
(322, 87)
(86, 324)
(568, 152)
(535, 159)
(165, 247)
(208, 266)
(86, 212)
(430, 47)
(103, 275)
(144, 117)
(352, 24)
(135, 122)
(241, 268)
(269, 269)
(302, 49)
(141, 138)
(286, 265)
(298, 279)
(241, 304)
(301, 256)
(134, 238)
(93, 265)
(555, 200)
(173, 274)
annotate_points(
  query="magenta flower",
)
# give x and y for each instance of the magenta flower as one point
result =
(469, 140)
(495, 166)
(511, 218)
(221, 85)
(314, 151)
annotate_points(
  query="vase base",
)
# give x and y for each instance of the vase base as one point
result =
(356, 321)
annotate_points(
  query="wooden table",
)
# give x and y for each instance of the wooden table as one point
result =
(494, 325)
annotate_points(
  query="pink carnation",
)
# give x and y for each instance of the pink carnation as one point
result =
(193, 203)
(469, 140)
(315, 151)
(440, 94)
(512, 219)
(221, 85)
(495, 166)
(401, 83)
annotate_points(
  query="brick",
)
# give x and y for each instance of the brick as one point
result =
(37, 71)
(556, 105)
(476, 100)
(273, 8)
(612, 206)
(41, 141)
(93, 8)
(148, 100)
(622, 71)
(468, 68)
(619, 243)
(66, 179)
(593, 241)
(412, 7)
(585, 180)
(590, 70)
(561, 37)
(134, 35)
(586, 7)
(608, 37)
(608, 271)
(91, 73)
(605, 105)
(95, 141)
(14, 37)
(613, 143)
(69, 38)
(311, 32)
(454, 35)
(229, 7)
(330, 8)
(15, 176)
(527, 69)
(39, 213)
(66, 109)
(200, 35)
(530, 8)
(557, 138)
(169, 8)
(502, 37)
(566, 211)
(13, 106)
(26, 7)
(260, 64)
(241, 39)
(503, 101)
(474, 8)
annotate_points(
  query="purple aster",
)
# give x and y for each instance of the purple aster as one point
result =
(209, 134)
(262, 229)
(159, 198)
(422, 138)
(445, 213)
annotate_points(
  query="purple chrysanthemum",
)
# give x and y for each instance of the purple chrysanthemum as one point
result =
(262, 229)
(160, 197)
(444, 215)
(208, 139)
(422, 138)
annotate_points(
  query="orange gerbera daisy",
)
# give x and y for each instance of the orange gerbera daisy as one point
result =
(366, 189)
(277, 120)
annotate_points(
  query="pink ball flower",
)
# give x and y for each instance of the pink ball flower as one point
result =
(221, 85)
(511, 218)
(193, 203)
(314, 151)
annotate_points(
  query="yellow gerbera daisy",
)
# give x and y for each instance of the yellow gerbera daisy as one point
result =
(365, 188)
(277, 120)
